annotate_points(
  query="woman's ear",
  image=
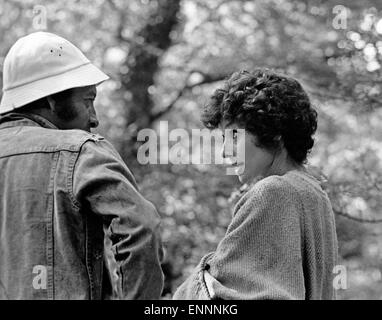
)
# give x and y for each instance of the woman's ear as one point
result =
(279, 140)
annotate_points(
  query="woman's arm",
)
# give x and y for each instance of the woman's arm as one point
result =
(260, 255)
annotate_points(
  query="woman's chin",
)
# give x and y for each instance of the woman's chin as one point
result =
(242, 178)
(247, 178)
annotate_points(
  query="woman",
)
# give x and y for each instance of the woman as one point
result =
(281, 242)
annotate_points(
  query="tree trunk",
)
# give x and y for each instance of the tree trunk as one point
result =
(143, 64)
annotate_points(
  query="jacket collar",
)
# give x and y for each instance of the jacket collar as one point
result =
(15, 119)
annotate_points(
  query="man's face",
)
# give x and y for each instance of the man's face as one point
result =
(81, 109)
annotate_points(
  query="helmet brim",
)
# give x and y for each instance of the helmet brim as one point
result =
(82, 76)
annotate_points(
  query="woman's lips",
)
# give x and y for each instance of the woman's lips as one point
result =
(239, 168)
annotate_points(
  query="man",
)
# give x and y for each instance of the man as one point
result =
(64, 191)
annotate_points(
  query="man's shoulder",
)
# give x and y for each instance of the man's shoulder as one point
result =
(37, 139)
(71, 140)
(77, 138)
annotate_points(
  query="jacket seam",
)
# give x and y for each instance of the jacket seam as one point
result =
(37, 151)
(73, 161)
(5, 291)
(88, 261)
(50, 228)
(71, 167)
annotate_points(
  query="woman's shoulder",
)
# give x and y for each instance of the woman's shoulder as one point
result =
(272, 195)
(293, 184)
(269, 186)
(266, 191)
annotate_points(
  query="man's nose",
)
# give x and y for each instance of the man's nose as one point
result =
(93, 119)
(94, 123)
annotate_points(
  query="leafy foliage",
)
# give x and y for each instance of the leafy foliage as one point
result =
(165, 57)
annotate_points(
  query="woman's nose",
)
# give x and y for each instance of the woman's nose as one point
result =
(223, 150)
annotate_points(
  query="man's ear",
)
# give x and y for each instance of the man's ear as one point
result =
(52, 103)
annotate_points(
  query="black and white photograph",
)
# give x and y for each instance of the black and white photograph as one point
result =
(190, 153)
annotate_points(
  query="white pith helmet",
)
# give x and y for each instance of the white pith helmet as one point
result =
(41, 64)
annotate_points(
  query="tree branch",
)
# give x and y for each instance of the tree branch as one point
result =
(206, 80)
(122, 20)
(358, 219)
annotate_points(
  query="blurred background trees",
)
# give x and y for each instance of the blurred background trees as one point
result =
(165, 57)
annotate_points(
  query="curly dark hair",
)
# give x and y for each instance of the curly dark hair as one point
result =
(269, 105)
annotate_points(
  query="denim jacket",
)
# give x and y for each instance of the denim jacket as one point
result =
(69, 211)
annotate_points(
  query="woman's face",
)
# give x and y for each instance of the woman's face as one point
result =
(255, 161)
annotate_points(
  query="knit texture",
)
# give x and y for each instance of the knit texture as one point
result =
(281, 244)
